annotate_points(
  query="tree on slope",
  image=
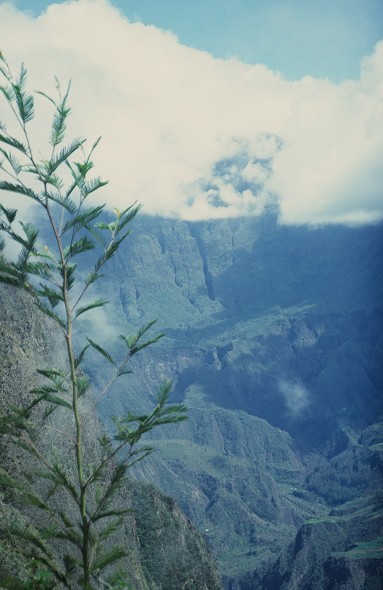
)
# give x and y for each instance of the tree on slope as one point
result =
(60, 186)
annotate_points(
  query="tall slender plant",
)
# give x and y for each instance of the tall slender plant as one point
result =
(61, 187)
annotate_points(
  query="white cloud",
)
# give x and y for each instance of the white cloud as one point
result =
(170, 116)
(295, 394)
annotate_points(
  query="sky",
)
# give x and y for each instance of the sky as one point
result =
(215, 108)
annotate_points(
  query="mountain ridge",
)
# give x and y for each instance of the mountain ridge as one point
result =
(268, 322)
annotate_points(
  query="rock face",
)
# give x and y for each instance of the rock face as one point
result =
(165, 550)
(325, 555)
(282, 323)
(173, 554)
(274, 341)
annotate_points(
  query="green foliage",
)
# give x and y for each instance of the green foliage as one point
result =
(38, 579)
(52, 275)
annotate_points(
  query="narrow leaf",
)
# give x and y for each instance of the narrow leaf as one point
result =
(82, 245)
(63, 201)
(92, 305)
(82, 219)
(79, 358)
(15, 143)
(10, 214)
(64, 154)
(13, 161)
(102, 351)
(107, 557)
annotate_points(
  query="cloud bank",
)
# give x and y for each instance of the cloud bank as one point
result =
(196, 137)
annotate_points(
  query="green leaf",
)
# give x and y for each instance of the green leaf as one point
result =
(102, 351)
(133, 341)
(93, 185)
(110, 513)
(59, 118)
(64, 202)
(116, 480)
(11, 275)
(46, 389)
(60, 388)
(110, 529)
(62, 535)
(89, 306)
(79, 358)
(83, 384)
(38, 269)
(24, 101)
(7, 91)
(13, 161)
(82, 245)
(92, 277)
(68, 272)
(64, 155)
(58, 401)
(59, 125)
(82, 219)
(48, 312)
(104, 225)
(13, 142)
(53, 374)
(127, 216)
(113, 247)
(61, 478)
(70, 564)
(31, 499)
(8, 481)
(46, 96)
(67, 522)
(109, 556)
(83, 168)
(122, 371)
(10, 214)
(31, 232)
(52, 179)
(54, 297)
(19, 189)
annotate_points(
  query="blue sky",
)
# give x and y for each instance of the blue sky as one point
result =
(323, 38)
(212, 108)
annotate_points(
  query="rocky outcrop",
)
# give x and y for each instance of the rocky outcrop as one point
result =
(173, 554)
(342, 550)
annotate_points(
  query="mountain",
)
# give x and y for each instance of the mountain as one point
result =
(325, 554)
(274, 341)
(164, 549)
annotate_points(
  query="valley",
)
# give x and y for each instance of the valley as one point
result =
(273, 340)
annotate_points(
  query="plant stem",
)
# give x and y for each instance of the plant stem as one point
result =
(75, 405)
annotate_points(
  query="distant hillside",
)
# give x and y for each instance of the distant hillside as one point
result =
(274, 340)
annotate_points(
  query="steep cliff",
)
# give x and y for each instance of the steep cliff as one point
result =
(165, 551)
(282, 323)
(342, 550)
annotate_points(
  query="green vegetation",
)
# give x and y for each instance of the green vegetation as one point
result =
(366, 550)
(76, 547)
(171, 556)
